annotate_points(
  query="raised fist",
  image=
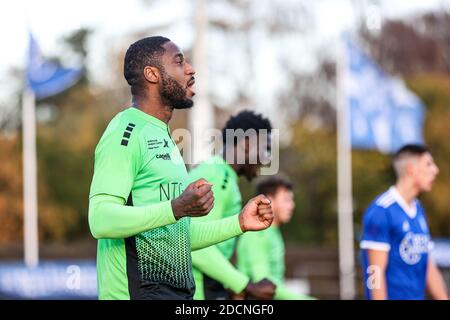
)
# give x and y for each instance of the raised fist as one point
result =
(256, 215)
(196, 200)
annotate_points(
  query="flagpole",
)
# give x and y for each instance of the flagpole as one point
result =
(344, 179)
(31, 249)
(201, 117)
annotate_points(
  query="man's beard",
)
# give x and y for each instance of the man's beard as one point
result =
(173, 94)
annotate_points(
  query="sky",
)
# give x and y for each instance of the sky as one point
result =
(50, 19)
(113, 20)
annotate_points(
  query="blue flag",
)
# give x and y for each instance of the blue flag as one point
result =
(384, 114)
(46, 78)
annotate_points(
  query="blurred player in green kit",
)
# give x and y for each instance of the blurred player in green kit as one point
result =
(261, 255)
(215, 276)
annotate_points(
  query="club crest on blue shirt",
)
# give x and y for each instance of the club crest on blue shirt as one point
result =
(413, 246)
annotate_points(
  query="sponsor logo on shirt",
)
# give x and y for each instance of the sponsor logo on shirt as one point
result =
(163, 156)
(170, 190)
(413, 246)
(153, 144)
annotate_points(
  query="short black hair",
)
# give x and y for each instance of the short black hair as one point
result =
(246, 120)
(411, 149)
(142, 53)
(405, 152)
(269, 186)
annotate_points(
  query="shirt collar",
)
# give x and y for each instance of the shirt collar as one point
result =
(149, 118)
(411, 211)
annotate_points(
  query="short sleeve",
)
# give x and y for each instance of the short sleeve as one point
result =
(376, 229)
(117, 161)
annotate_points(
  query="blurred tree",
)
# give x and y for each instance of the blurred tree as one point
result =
(76, 41)
(310, 162)
(10, 190)
(312, 96)
(420, 44)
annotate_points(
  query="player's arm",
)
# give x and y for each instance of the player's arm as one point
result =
(205, 234)
(435, 283)
(256, 215)
(254, 247)
(376, 241)
(109, 217)
(378, 260)
(215, 265)
(258, 257)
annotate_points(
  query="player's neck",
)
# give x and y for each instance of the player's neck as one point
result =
(154, 107)
(407, 191)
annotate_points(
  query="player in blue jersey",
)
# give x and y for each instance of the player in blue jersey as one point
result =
(396, 241)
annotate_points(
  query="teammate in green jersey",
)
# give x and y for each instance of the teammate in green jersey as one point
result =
(140, 200)
(214, 274)
(261, 254)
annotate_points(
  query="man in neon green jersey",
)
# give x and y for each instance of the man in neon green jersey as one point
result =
(140, 201)
(214, 274)
(261, 254)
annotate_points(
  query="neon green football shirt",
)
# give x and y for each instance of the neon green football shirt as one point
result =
(137, 160)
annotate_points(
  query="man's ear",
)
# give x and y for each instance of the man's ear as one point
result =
(410, 168)
(151, 74)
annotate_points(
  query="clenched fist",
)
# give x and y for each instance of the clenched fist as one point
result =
(196, 200)
(256, 215)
